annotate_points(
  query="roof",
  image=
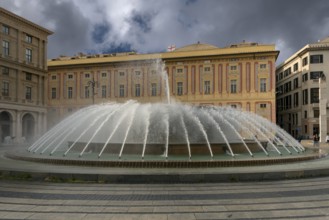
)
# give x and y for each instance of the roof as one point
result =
(197, 46)
(320, 45)
(21, 19)
(189, 51)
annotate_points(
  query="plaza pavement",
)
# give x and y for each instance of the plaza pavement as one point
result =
(302, 198)
(288, 199)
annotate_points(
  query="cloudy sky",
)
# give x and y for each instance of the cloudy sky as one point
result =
(147, 26)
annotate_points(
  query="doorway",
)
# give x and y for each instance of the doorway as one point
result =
(5, 125)
(28, 127)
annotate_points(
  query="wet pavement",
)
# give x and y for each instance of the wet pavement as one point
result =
(289, 199)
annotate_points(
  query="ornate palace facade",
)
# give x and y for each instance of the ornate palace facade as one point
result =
(240, 75)
(23, 66)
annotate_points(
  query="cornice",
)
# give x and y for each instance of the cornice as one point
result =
(23, 20)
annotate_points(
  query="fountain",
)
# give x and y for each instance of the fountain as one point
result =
(135, 134)
(114, 129)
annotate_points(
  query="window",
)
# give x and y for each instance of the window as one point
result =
(5, 71)
(28, 93)
(122, 73)
(262, 105)
(206, 87)
(28, 76)
(295, 83)
(28, 55)
(153, 72)
(53, 77)
(103, 91)
(296, 116)
(137, 73)
(287, 102)
(5, 88)
(233, 86)
(121, 90)
(70, 76)
(316, 113)
(5, 48)
(305, 77)
(154, 89)
(315, 75)
(316, 58)
(70, 93)
(296, 99)
(296, 67)
(179, 70)
(287, 87)
(263, 85)
(233, 68)
(5, 29)
(104, 74)
(305, 61)
(28, 38)
(207, 69)
(137, 90)
(305, 114)
(53, 93)
(262, 66)
(87, 75)
(287, 72)
(87, 92)
(314, 95)
(305, 129)
(280, 75)
(179, 88)
(305, 97)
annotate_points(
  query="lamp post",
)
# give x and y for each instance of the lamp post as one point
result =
(92, 83)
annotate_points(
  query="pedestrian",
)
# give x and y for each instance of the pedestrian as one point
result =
(300, 138)
(315, 140)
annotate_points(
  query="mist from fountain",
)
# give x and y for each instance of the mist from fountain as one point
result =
(161, 130)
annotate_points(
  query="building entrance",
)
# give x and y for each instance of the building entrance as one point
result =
(4, 126)
(28, 127)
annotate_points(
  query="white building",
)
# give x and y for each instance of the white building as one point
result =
(302, 91)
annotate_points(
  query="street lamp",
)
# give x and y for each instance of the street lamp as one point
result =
(92, 83)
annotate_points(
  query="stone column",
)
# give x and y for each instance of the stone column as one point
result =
(18, 127)
(44, 128)
(13, 126)
(323, 93)
(39, 125)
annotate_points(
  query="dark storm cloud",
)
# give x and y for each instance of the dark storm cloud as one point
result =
(71, 27)
(100, 32)
(187, 2)
(152, 25)
(141, 21)
(269, 20)
(291, 22)
(117, 48)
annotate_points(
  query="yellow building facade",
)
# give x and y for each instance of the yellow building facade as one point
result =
(240, 75)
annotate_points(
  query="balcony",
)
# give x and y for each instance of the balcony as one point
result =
(315, 105)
